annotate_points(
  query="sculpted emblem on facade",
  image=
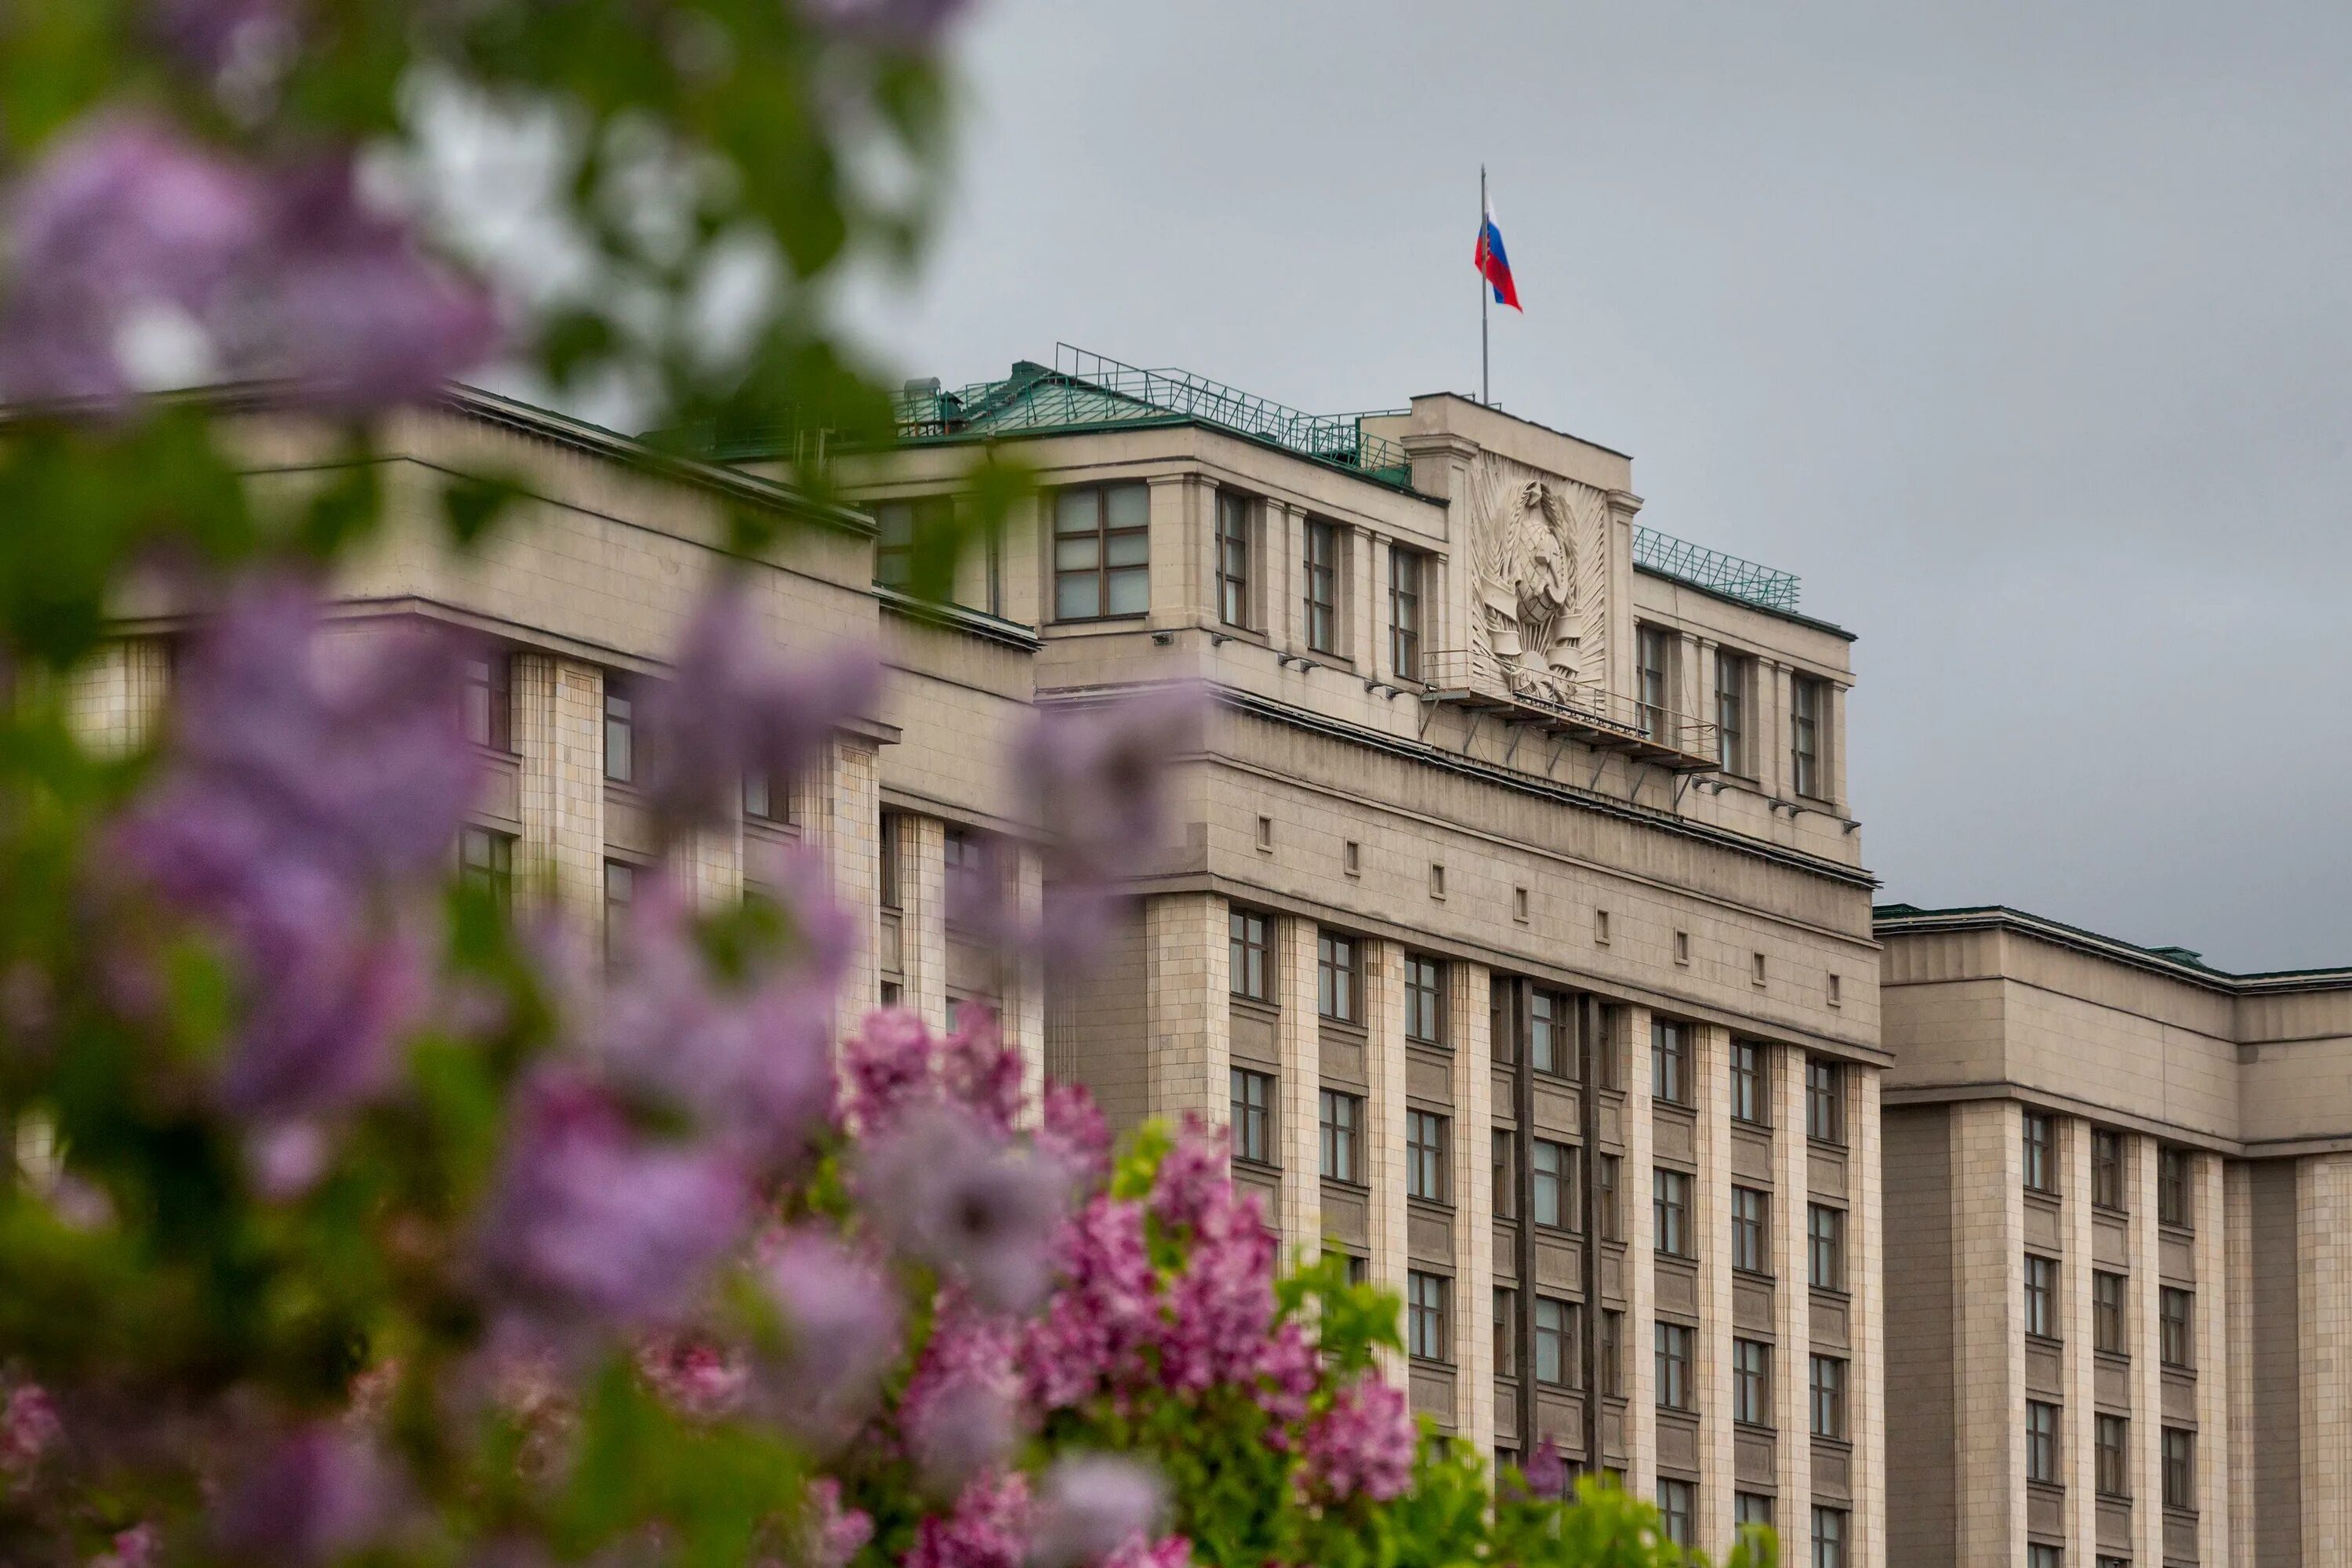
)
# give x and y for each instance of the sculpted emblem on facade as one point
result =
(1528, 631)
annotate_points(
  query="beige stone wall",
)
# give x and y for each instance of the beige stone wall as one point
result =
(1989, 1229)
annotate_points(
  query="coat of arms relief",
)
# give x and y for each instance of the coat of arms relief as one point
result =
(1539, 621)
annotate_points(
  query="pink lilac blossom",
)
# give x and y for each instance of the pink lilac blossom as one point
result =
(734, 707)
(210, 34)
(831, 1534)
(29, 1428)
(141, 1546)
(1546, 1471)
(841, 1327)
(988, 1528)
(945, 1187)
(1167, 1552)
(1362, 1447)
(1105, 1317)
(318, 1496)
(700, 1380)
(1072, 1130)
(1090, 1506)
(960, 1413)
(591, 1218)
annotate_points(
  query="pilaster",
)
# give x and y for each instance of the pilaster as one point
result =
(1989, 1340)
(559, 738)
(923, 915)
(1189, 1040)
(2215, 1357)
(2146, 1369)
(2324, 1289)
(2237, 1199)
(1178, 548)
(1298, 1044)
(1710, 1083)
(1793, 1316)
(1024, 1019)
(1384, 1112)
(2078, 1453)
(1468, 1027)
(1866, 1278)
(1638, 1179)
(841, 812)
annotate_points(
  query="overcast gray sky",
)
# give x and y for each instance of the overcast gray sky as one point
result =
(2020, 331)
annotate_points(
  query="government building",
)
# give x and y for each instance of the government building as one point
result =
(1513, 919)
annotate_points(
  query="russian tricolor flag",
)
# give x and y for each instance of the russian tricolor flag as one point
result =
(1493, 265)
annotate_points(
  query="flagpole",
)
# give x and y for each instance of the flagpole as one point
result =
(1486, 390)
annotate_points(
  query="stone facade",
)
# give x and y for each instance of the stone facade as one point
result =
(2171, 1145)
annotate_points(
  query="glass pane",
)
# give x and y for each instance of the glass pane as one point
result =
(1074, 511)
(1128, 506)
(1077, 597)
(1077, 554)
(1129, 550)
(1131, 592)
(894, 521)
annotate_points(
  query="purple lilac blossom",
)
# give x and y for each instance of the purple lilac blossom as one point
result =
(841, 1326)
(960, 1413)
(946, 1188)
(1362, 1446)
(700, 1380)
(210, 34)
(988, 1528)
(1546, 1471)
(29, 1428)
(1167, 1552)
(1089, 1506)
(1106, 1316)
(911, 24)
(141, 1546)
(592, 1217)
(734, 707)
(318, 1496)
(1072, 1130)
(831, 1534)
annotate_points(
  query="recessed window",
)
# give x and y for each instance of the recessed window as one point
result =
(1677, 1508)
(1751, 1383)
(1436, 879)
(1249, 954)
(2041, 1152)
(1682, 947)
(2179, 1451)
(1750, 1090)
(489, 701)
(1506, 1174)
(620, 892)
(1808, 707)
(1519, 905)
(1558, 1331)
(2112, 1441)
(1750, 1214)
(2108, 1169)
(768, 797)
(2107, 1313)
(1102, 551)
(1425, 999)
(1651, 679)
(2041, 1296)
(1605, 1185)
(1824, 1101)
(1426, 1329)
(620, 732)
(1351, 858)
(1751, 1509)
(1253, 1112)
(1613, 1353)
(1826, 1385)
(898, 525)
(2172, 1205)
(1600, 927)
(1233, 558)
(1836, 991)
(1670, 1213)
(1426, 1157)
(1406, 572)
(1266, 835)
(1555, 1184)
(486, 860)
(1674, 1347)
(1551, 1045)
(1756, 969)
(2176, 1330)
(1339, 993)
(1341, 1126)
(1506, 1331)
(1669, 1062)
(1824, 1247)
(1829, 1538)
(1322, 577)
(1731, 686)
(2041, 1442)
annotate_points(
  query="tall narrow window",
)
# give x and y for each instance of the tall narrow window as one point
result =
(1233, 558)
(1506, 1331)
(620, 732)
(1248, 953)
(1425, 1000)
(1404, 612)
(1506, 1174)
(1337, 993)
(2175, 1311)
(1557, 1352)
(1604, 1197)
(1731, 714)
(1669, 1063)
(486, 860)
(1252, 1112)
(1677, 1510)
(489, 701)
(1751, 1383)
(1651, 655)
(1550, 1046)
(1612, 1352)
(2113, 1437)
(1102, 552)
(1555, 1184)
(1829, 1538)
(2172, 1186)
(1674, 1347)
(1808, 704)
(2042, 1296)
(620, 892)
(1425, 1156)
(1342, 1121)
(1750, 1209)
(2040, 1153)
(1425, 1331)
(1670, 1211)
(2041, 1442)
(2106, 1169)
(898, 525)
(1750, 1094)
(1824, 1101)
(1824, 1247)
(887, 863)
(2180, 1449)
(1322, 586)
(1826, 1387)
(2107, 1313)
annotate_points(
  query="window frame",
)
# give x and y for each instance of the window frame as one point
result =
(1235, 520)
(1751, 1083)
(1319, 574)
(1428, 1161)
(2175, 1328)
(1338, 981)
(489, 700)
(2043, 1422)
(1670, 1215)
(1503, 1148)
(492, 870)
(1751, 1383)
(1551, 1042)
(1560, 1183)
(1674, 1348)
(2041, 1307)
(1427, 1309)
(1669, 1062)
(2111, 1461)
(2175, 1187)
(2039, 1131)
(1808, 710)
(900, 522)
(1825, 1100)
(620, 722)
(1425, 1000)
(1102, 536)
(1249, 953)
(2110, 1315)
(2108, 1169)
(2178, 1445)
(1406, 595)
(1563, 1334)
(1830, 1536)
(1340, 1132)
(1826, 1383)
(1677, 1509)
(620, 894)
(1751, 1233)
(1732, 676)
(1252, 1120)
(1825, 1247)
(1653, 683)
(1608, 1196)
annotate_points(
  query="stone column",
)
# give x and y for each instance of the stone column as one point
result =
(1176, 563)
(714, 868)
(2215, 1356)
(1363, 603)
(1468, 1028)
(1793, 1308)
(1772, 729)
(842, 814)
(2078, 1456)
(1710, 1084)
(559, 736)
(1298, 1043)
(2143, 1335)
(1023, 1001)
(1989, 1341)
(1189, 1043)
(1384, 1113)
(2324, 1291)
(923, 915)
(2238, 1198)
(1866, 1275)
(1638, 1352)
(1279, 565)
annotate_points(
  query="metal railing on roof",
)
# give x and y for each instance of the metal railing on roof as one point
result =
(1083, 388)
(1765, 586)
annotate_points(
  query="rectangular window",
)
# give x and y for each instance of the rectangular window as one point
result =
(898, 525)
(1829, 1538)
(1506, 1331)
(1404, 612)
(1338, 996)
(1342, 1120)
(1827, 1388)
(1248, 949)
(1671, 1208)
(1425, 1332)
(1102, 551)
(1751, 1383)
(1750, 1093)
(1824, 1101)
(1549, 1044)
(1651, 675)
(489, 701)
(2039, 1554)
(620, 732)
(2042, 1296)
(1612, 1221)
(620, 892)
(1557, 1350)
(1808, 703)
(1824, 1247)
(1675, 1344)
(2107, 1313)
(2176, 1335)
(1731, 714)
(1425, 1000)
(1612, 1352)
(1253, 1095)
(2180, 1450)
(887, 863)
(1322, 586)
(1669, 1063)
(1749, 1252)
(1751, 1509)
(1677, 1506)
(2106, 1169)
(1555, 1186)
(2040, 1153)
(486, 860)
(1506, 1174)
(1425, 1157)
(768, 797)
(2041, 1442)
(2172, 1186)
(2114, 1451)
(1233, 558)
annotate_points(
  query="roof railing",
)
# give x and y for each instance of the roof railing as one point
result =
(1765, 586)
